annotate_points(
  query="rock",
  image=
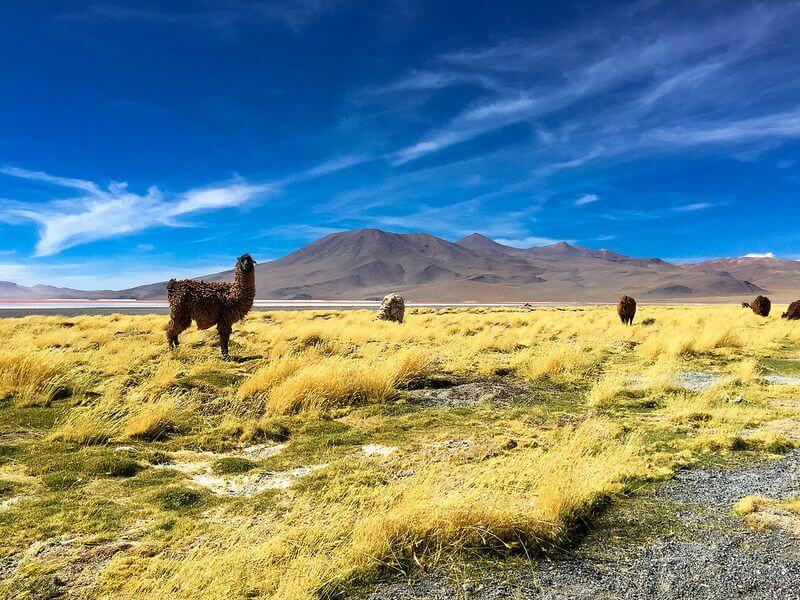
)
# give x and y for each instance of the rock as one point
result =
(393, 308)
(509, 445)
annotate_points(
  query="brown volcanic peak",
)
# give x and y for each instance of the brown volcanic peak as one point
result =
(371, 262)
(368, 245)
(480, 243)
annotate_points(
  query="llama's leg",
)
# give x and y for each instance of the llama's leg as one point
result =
(177, 323)
(224, 330)
(172, 334)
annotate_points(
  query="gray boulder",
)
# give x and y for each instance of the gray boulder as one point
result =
(393, 308)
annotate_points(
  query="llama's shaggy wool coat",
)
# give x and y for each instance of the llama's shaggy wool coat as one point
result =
(793, 312)
(626, 309)
(221, 304)
(761, 306)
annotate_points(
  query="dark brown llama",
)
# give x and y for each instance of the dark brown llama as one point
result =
(761, 306)
(626, 309)
(793, 312)
(218, 303)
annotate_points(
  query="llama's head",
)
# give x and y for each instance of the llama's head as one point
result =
(785, 315)
(245, 263)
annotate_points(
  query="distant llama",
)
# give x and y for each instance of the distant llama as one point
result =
(626, 309)
(793, 312)
(217, 303)
(760, 306)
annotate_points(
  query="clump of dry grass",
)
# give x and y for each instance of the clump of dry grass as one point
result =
(555, 360)
(606, 389)
(336, 381)
(762, 513)
(662, 375)
(744, 372)
(36, 377)
(155, 420)
(259, 384)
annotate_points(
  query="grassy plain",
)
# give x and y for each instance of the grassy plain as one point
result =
(328, 456)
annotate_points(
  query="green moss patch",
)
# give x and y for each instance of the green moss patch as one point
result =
(230, 465)
(177, 498)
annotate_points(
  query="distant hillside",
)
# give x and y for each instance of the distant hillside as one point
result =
(369, 263)
(10, 290)
(773, 274)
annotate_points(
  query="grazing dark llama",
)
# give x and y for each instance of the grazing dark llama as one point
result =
(217, 303)
(793, 312)
(626, 309)
(761, 306)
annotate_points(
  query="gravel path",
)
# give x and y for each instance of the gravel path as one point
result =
(707, 554)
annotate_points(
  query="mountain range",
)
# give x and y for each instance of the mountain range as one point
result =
(368, 263)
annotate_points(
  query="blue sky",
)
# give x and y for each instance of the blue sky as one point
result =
(140, 140)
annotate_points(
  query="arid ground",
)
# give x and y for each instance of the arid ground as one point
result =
(482, 453)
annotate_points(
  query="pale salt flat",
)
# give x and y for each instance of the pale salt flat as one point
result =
(377, 450)
(248, 485)
(782, 379)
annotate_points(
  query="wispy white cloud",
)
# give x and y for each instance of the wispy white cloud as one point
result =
(759, 255)
(632, 85)
(108, 213)
(104, 213)
(421, 81)
(554, 166)
(693, 207)
(530, 241)
(78, 184)
(223, 18)
(586, 199)
(334, 166)
(295, 14)
(779, 125)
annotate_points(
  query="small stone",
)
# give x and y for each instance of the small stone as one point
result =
(509, 445)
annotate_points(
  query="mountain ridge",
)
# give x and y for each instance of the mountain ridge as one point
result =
(368, 263)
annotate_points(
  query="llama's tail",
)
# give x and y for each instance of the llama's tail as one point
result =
(172, 285)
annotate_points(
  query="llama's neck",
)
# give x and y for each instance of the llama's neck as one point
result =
(244, 285)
